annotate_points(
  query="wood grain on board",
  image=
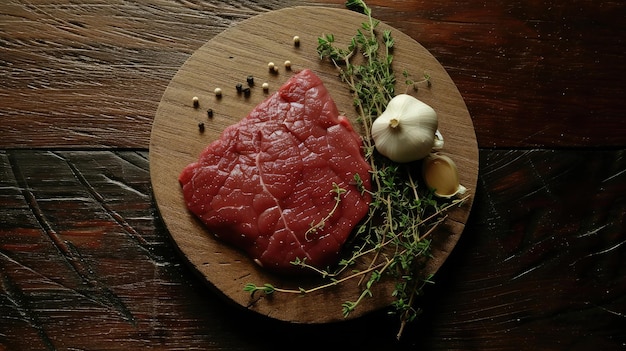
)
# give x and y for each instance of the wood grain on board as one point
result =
(245, 50)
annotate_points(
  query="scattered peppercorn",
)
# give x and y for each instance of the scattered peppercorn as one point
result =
(250, 80)
(209, 113)
(239, 88)
(201, 127)
(196, 101)
(218, 92)
(296, 41)
(246, 92)
(288, 65)
(266, 87)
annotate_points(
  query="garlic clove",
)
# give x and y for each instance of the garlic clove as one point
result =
(440, 173)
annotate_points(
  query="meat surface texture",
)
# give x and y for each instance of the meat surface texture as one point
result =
(269, 184)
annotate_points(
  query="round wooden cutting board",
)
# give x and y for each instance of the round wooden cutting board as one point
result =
(245, 50)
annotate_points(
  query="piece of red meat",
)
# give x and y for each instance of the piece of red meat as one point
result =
(270, 177)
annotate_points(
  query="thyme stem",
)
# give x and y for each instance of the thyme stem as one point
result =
(320, 225)
(394, 238)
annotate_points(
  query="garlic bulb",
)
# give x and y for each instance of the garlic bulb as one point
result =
(440, 173)
(405, 132)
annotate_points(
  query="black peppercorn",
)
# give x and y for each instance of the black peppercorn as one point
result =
(239, 88)
(250, 80)
(201, 127)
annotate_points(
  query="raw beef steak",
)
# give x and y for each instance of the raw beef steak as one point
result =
(271, 177)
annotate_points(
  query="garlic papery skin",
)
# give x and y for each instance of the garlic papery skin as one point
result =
(438, 144)
(440, 173)
(405, 132)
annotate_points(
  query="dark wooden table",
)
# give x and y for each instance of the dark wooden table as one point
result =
(86, 263)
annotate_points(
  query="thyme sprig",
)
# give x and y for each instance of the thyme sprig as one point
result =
(393, 241)
(338, 191)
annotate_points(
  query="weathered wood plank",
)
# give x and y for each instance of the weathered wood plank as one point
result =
(533, 74)
(92, 74)
(542, 266)
(85, 263)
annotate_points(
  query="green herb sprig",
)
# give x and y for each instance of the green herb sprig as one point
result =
(394, 238)
(338, 191)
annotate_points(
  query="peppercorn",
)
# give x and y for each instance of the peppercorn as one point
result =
(250, 80)
(239, 88)
(196, 101)
(218, 92)
(296, 41)
(209, 113)
(201, 127)
(246, 92)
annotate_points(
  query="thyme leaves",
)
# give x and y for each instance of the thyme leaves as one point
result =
(393, 241)
(338, 191)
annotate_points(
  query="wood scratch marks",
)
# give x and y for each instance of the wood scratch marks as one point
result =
(44, 279)
(601, 252)
(127, 187)
(142, 243)
(21, 304)
(615, 175)
(615, 313)
(543, 219)
(93, 287)
(527, 271)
